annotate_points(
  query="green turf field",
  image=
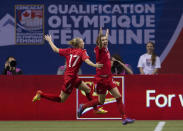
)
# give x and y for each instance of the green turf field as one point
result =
(87, 126)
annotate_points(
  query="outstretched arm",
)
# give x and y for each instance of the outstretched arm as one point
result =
(89, 62)
(54, 48)
(128, 70)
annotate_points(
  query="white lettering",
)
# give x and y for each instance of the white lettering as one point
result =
(181, 100)
(148, 97)
(161, 100)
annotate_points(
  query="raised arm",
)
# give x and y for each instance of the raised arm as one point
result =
(127, 69)
(97, 65)
(107, 33)
(54, 48)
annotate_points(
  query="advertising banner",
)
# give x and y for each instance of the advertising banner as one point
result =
(158, 97)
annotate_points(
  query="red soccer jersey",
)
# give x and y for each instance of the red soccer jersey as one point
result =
(103, 57)
(74, 58)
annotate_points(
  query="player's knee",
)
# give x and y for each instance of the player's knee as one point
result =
(119, 96)
(87, 90)
(62, 101)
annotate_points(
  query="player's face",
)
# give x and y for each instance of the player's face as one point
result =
(149, 48)
(81, 44)
(104, 41)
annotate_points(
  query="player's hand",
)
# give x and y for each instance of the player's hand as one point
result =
(98, 41)
(48, 38)
(113, 59)
(99, 65)
(100, 32)
(107, 33)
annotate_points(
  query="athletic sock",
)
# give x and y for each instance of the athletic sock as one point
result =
(120, 107)
(90, 98)
(51, 97)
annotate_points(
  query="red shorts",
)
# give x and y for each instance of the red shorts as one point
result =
(102, 84)
(70, 82)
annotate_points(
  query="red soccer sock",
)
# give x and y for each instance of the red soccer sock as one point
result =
(92, 103)
(90, 98)
(120, 107)
(51, 97)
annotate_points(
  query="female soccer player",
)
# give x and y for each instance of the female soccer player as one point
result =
(74, 58)
(104, 79)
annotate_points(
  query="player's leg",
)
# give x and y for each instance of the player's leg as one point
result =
(116, 94)
(95, 102)
(51, 97)
(101, 100)
(65, 92)
(92, 103)
(64, 96)
(101, 91)
(83, 86)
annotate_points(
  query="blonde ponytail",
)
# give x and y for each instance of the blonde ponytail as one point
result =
(75, 42)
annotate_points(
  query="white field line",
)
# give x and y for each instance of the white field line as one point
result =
(160, 126)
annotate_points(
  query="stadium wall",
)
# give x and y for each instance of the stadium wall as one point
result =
(158, 97)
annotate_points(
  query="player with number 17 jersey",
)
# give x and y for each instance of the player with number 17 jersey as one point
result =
(74, 58)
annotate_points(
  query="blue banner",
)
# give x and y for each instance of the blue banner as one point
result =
(131, 25)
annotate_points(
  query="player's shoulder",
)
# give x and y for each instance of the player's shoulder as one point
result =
(85, 52)
(66, 49)
(96, 48)
(78, 51)
(81, 50)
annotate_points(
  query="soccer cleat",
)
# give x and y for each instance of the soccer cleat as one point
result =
(80, 110)
(37, 97)
(128, 121)
(100, 111)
